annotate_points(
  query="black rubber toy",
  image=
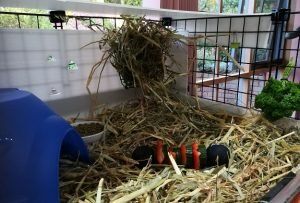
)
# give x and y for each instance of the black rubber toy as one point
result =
(217, 155)
(142, 154)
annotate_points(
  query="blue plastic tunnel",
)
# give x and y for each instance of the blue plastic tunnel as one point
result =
(32, 138)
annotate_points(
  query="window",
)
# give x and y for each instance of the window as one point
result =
(251, 48)
(209, 5)
(264, 55)
(241, 6)
(265, 6)
(126, 2)
(228, 6)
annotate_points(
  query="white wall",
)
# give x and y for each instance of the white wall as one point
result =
(24, 64)
(151, 4)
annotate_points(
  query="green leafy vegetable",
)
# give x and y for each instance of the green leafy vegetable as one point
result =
(279, 98)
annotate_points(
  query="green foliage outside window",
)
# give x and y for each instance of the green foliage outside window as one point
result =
(126, 2)
(208, 5)
(133, 2)
(11, 21)
(265, 6)
(230, 6)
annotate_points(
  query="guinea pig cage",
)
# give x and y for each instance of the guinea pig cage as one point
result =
(124, 104)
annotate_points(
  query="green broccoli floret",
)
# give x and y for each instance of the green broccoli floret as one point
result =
(279, 98)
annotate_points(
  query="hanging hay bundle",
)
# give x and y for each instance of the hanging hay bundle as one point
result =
(138, 51)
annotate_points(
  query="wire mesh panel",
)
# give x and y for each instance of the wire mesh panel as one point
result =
(291, 48)
(230, 61)
(41, 21)
(234, 56)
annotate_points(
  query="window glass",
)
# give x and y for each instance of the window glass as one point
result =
(230, 6)
(208, 5)
(265, 6)
(11, 20)
(126, 2)
(206, 58)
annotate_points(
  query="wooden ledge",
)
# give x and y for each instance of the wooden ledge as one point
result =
(230, 77)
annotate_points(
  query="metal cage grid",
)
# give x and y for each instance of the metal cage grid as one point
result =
(213, 75)
(223, 81)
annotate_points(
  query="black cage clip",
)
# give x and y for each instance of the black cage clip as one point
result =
(58, 18)
(280, 15)
(166, 21)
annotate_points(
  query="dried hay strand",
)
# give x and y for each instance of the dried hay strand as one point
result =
(138, 50)
(260, 157)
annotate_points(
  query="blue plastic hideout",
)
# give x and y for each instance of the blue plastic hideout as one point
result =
(32, 138)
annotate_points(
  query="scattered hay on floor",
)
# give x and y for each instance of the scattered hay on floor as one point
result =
(260, 156)
(260, 153)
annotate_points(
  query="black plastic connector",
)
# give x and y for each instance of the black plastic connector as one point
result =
(280, 15)
(166, 21)
(57, 16)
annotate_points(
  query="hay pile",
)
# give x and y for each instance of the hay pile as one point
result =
(260, 156)
(137, 50)
(260, 153)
